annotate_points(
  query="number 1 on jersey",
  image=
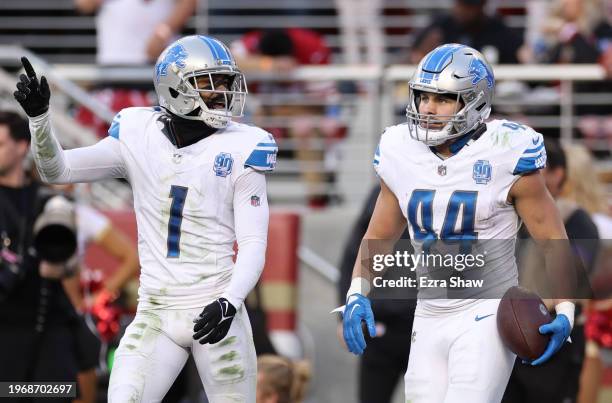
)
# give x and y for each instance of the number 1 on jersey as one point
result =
(178, 195)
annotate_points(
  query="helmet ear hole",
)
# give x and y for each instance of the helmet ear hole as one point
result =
(173, 93)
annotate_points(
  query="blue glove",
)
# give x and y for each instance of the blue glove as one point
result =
(560, 328)
(357, 309)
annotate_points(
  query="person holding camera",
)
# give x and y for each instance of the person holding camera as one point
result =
(37, 242)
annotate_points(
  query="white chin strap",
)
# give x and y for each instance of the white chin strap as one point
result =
(433, 137)
(218, 121)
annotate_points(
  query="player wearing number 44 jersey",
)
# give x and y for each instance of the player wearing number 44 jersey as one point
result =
(450, 175)
(194, 175)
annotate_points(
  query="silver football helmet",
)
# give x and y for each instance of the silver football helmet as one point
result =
(461, 72)
(196, 77)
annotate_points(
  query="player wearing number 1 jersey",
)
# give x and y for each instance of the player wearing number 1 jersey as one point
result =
(452, 176)
(198, 186)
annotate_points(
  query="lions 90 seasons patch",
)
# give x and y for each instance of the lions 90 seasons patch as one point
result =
(481, 172)
(223, 164)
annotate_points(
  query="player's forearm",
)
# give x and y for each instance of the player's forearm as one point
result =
(103, 160)
(363, 272)
(247, 270)
(47, 151)
(251, 216)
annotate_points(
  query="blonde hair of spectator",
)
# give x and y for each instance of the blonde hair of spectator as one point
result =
(583, 185)
(287, 378)
(589, 14)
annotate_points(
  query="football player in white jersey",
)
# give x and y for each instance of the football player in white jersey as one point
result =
(198, 184)
(453, 176)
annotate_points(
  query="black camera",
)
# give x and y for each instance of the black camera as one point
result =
(55, 233)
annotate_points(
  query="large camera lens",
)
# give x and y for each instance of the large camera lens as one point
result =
(55, 231)
(55, 243)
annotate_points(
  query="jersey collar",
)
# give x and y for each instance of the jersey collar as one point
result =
(464, 140)
(184, 132)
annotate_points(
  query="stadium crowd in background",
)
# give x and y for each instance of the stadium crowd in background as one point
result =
(299, 112)
(469, 24)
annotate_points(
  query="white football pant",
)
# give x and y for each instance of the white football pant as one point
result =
(156, 346)
(458, 357)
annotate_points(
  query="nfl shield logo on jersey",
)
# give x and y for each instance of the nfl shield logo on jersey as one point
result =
(482, 172)
(223, 164)
(255, 201)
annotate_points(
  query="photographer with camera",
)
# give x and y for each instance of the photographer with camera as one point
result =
(38, 242)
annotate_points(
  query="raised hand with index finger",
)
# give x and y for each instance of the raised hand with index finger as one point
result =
(32, 95)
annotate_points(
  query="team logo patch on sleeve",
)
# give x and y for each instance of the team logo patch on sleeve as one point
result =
(223, 164)
(255, 201)
(482, 172)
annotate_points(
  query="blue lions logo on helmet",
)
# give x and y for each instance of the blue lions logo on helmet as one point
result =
(176, 54)
(479, 71)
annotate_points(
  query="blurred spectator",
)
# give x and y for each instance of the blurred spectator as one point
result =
(302, 113)
(134, 32)
(280, 380)
(469, 25)
(584, 188)
(277, 50)
(385, 360)
(131, 33)
(95, 228)
(37, 320)
(360, 25)
(576, 31)
(560, 381)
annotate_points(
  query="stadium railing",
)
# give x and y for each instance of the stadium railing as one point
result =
(376, 98)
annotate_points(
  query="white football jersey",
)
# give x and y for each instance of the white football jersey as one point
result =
(183, 200)
(464, 197)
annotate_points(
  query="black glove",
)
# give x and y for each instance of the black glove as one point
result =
(214, 321)
(32, 95)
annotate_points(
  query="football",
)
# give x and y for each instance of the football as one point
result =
(519, 316)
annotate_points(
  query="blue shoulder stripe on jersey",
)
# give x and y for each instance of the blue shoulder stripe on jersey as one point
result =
(533, 150)
(530, 164)
(266, 145)
(113, 130)
(263, 160)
